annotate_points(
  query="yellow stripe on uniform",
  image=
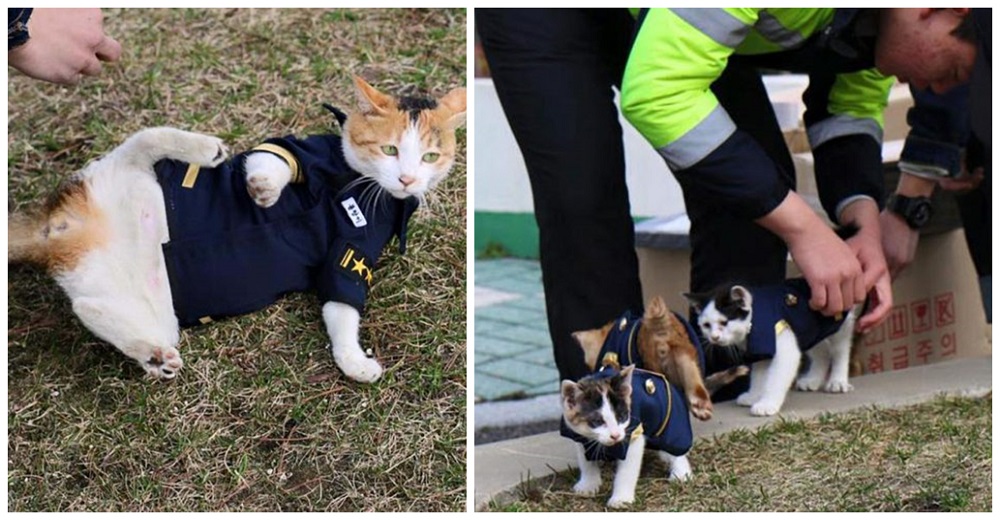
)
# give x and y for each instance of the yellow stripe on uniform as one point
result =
(284, 154)
(191, 176)
(347, 257)
(780, 327)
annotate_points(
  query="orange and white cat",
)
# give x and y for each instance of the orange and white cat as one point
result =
(120, 239)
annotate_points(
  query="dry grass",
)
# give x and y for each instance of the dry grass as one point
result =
(259, 418)
(935, 456)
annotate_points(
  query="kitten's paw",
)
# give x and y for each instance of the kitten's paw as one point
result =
(163, 363)
(206, 150)
(620, 501)
(745, 399)
(764, 409)
(265, 188)
(680, 469)
(838, 387)
(361, 369)
(587, 487)
(808, 384)
(701, 408)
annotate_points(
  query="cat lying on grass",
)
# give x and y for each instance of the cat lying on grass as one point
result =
(164, 232)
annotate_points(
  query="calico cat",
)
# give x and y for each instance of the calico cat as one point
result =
(661, 342)
(162, 232)
(619, 414)
(771, 327)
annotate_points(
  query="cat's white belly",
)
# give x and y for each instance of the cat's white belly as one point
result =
(126, 274)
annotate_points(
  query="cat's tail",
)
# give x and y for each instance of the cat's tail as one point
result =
(26, 238)
(58, 236)
(720, 379)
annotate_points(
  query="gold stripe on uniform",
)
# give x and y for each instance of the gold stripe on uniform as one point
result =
(780, 327)
(191, 176)
(205, 319)
(284, 154)
(347, 257)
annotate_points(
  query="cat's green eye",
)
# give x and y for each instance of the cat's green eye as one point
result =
(431, 157)
(390, 150)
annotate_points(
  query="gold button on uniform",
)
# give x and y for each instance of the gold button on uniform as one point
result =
(791, 300)
(622, 324)
(610, 359)
(650, 387)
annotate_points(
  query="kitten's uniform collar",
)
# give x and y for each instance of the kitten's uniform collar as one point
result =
(658, 411)
(781, 306)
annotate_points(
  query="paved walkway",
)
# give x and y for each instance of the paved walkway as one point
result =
(513, 356)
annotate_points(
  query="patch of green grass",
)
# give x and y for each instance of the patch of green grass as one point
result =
(936, 456)
(259, 418)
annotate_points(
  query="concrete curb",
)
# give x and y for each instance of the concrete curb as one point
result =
(501, 466)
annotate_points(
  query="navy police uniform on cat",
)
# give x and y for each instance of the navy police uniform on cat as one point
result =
(228, 256)
(658, 409)
(659, 412)
(621, 347)
(782, 306)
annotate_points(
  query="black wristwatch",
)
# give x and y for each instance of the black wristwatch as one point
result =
(916, 211)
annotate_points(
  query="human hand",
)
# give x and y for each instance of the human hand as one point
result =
(899, 242)
(64, 45)
(867, 247)
(962, 183)
(829, 266)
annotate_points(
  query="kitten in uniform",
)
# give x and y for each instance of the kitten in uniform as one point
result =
(771, 327)
(163, 232)
(619, 413)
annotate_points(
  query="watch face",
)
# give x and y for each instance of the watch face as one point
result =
(921, 214)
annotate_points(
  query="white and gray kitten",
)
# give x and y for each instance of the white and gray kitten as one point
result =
(725, 318)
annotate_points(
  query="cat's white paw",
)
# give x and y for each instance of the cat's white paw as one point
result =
(764, 409)
(680, 472)
(206, 150)
(162, 363)
(808, 384)
(587, 487)
(620, 501)
(745, 399)
(361, 369)
(267, 175)
(838, 387)
(265, 187)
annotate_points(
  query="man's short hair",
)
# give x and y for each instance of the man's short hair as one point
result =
(966, 30)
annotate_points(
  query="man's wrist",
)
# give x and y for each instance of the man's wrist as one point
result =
(924, 171)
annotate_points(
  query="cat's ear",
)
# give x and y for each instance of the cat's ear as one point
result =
(590, 342)
(696, 301)
(370, 99)
(625, 385)
(570, 393)
(452, 106)
(741, 296)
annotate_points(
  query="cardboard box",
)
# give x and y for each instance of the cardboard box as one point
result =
(937, 309)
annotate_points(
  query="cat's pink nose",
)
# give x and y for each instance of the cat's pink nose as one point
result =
(407, 180)
(715, 338)
(617, 436)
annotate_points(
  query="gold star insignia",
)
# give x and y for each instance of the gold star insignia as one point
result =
(360, 267)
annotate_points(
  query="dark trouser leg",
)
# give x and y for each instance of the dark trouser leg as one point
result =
(554, 70)
(725, 248)
(976, 210)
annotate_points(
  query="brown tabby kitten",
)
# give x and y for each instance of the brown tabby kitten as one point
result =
(664, 347)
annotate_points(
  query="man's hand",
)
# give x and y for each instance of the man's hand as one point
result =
(867, 247)
(898, 241)
(64, 45)
(827, 263)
